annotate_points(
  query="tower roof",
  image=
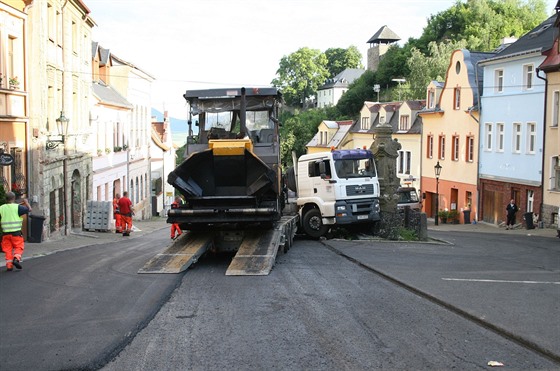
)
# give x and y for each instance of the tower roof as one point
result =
(384, 35)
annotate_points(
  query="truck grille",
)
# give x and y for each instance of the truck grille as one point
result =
(359, 190)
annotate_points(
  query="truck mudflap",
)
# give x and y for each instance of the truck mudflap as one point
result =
(256, 255)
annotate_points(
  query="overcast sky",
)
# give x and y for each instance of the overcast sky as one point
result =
(197, 44)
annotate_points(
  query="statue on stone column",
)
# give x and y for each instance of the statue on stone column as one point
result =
(385, 152)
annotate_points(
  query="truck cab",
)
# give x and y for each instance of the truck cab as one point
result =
(339, 187)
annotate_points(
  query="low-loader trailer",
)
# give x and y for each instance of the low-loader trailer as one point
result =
(231, 182)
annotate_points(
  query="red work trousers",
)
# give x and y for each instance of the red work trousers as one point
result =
(126, 223)
(12, 246)
(175, 229)
(118, 223)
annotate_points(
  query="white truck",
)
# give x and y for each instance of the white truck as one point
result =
(339, 187)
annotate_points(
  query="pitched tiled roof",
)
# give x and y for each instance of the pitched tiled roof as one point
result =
(107, 95)
(383, 35)
(343, 79)
(541, 38)
(343, 128)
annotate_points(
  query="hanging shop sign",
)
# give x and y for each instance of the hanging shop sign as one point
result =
(6, 159)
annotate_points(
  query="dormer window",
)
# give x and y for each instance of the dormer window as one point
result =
(431, 98)
(404, 123)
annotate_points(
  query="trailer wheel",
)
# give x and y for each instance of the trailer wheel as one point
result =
(313, 224)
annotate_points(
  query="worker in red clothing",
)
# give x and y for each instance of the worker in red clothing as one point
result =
(175, 229)
(11, 220)
(117, 214)
(126, 210)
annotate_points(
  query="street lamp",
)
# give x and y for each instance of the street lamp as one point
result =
(437, 169)
(62, 127)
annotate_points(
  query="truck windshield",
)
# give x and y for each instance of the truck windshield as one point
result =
(355, 168)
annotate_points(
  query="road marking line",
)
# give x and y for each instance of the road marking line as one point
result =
(499, 281)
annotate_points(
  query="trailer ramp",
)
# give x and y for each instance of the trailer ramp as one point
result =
(256, 255)
(258, 251)
(180, 255)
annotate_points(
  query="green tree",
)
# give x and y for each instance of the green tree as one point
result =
(476, 25)
(483, 23)
(351, 102)
(339, 59)
(298, 128)
(300, 74)
(431, 66)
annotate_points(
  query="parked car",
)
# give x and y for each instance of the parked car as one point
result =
(408, 196)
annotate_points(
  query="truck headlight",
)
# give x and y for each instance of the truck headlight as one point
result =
(340, 208)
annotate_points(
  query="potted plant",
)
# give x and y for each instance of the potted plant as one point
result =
(443, 215)
(13, 82)
(453, 216)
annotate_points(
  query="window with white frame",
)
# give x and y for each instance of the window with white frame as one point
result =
(488, 136)
(457, 98)
(528, 72)
(555, 108)
(530, 200)
(403, 164)
(531, 137)
(470, 149)
(499, 81)
(404, 123)
(365, 123)
(430, 146)
(500, 137)
(431, 98)
(516, 138)
(441, 150)
(455, 148)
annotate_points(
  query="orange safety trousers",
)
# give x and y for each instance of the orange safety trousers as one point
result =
(12, 246)
(175, 229)
(126, 224)
(118, 223)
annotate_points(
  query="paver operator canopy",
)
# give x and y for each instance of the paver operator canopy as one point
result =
(231, 173)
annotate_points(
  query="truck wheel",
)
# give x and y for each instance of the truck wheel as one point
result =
(313, 224)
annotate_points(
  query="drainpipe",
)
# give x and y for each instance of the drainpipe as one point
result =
(543, 141)
(65, 151)
(478, 200)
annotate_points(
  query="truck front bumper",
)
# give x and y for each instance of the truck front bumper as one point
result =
(357, 211)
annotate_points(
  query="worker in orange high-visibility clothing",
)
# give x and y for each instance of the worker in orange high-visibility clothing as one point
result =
(175, 229)
(126, 210)
(11, 220)
(117, 214)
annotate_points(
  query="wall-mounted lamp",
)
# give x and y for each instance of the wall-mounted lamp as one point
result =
(62, 127)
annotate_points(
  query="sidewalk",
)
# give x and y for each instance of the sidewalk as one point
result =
(78, 239)
(482, 227)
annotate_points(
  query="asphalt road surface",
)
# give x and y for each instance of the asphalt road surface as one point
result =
(319, 309)
(316, 311)
(77, 309)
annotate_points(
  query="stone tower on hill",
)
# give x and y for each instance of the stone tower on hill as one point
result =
(378, 45)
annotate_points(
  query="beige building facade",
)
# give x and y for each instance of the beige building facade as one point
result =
(450, 138)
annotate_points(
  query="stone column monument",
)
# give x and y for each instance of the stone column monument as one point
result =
(385, 151)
